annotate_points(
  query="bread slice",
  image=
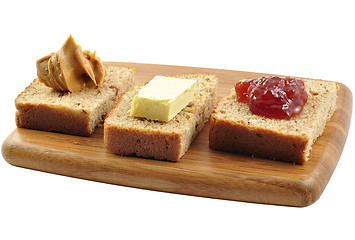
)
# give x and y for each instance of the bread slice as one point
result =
(235, 129)
(78, 113)
(127, 135)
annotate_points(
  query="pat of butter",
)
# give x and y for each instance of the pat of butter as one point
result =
(162, 98)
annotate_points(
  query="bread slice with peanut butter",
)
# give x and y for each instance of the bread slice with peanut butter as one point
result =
(74, 92)
(78, 113)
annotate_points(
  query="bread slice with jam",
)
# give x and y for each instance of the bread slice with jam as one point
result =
(235, 128)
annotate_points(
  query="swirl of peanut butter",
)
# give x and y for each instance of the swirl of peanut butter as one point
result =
(71, 68)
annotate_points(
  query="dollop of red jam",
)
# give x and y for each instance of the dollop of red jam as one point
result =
(273, 97)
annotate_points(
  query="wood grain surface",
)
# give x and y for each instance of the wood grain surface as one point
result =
(201, 171)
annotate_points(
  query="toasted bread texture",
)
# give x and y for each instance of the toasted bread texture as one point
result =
(78, 113)
(235, 128)
(133, 136)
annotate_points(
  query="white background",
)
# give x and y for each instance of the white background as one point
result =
(305, 38)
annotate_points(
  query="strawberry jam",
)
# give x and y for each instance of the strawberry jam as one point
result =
(273, 97)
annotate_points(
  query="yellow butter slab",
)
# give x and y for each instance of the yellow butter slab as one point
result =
(162, 98)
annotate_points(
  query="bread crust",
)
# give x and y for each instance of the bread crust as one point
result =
(256, 142)
(47, 118)
(146, 144)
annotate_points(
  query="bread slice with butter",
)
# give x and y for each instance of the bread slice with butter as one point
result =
(135, 136)
(78, 113)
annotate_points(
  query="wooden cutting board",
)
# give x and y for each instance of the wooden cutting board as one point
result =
(201, 171)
